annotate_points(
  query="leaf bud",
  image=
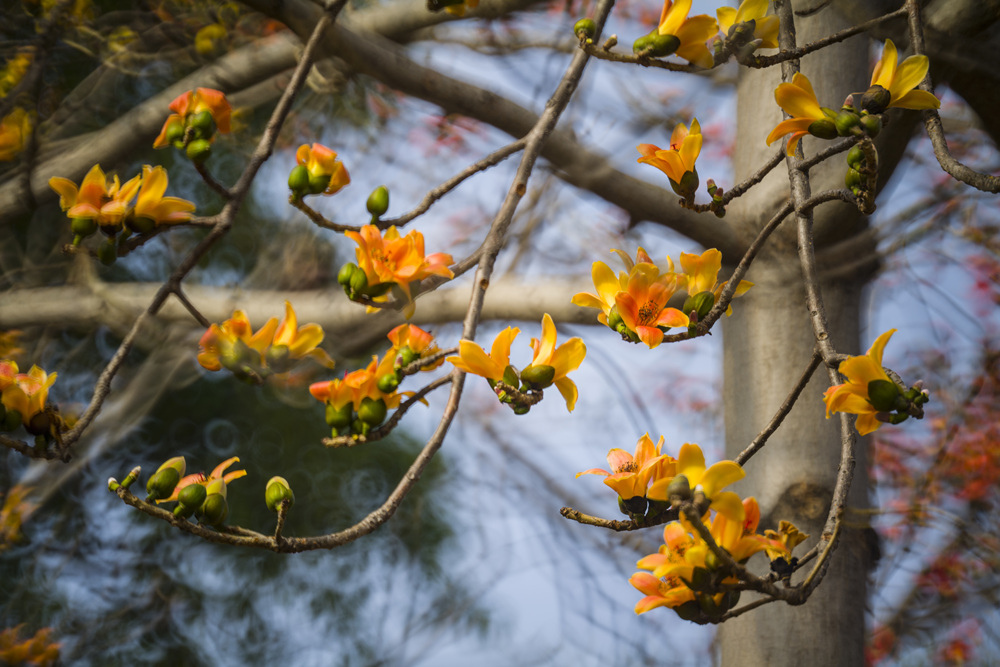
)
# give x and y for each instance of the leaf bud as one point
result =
(198, 150)
(372, 411)
(298, 181)
(882, 394)
(538, 377)
(585, 27)
(378, 201)
(277, 490)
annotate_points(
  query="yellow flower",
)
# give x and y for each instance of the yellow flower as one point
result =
(233, 344)
(692, 32)
(664, 590)
(323, 166)
(189, 105)
(691, 464)
(292, 342)
(642, 305)
(899, 82)
(25, 392)
(94, 199)
(218, 475)
(630, 475)
(152, 205)
(563, 359)
(765, 27)
(788, 536)
(15, 129)
(677, 161)
(853, 396)
(14, 508)
(799, 101)
(702, 275)
(473, 359)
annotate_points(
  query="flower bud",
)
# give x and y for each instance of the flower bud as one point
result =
(856, 157)
(372, 411)
(406, 356)
(688, 185)
(641, 44)
(339, 418)
(298, 181)
(175, 133)
(846, 121)
(689, 611)
(359, 427)
(192, 497)
(378, 201)
(538, 377)
(162, 484)
(387, 383)
(346, 273)
(872, 125)
(140, 224)
(701, 579)
(359, 281)
(635, 505)
(510, 376)
(521, 409)
(614, 318)
(277, 490)
(824, 128)
(876, 100)
(853, 179)
(701, 303)
(11, 420)
(198, 150)
(586, 27)
(214, 510)
(679, 487)
(318, 183)
(661, 46)
(883, 395)
(203, 124)
(39, 424)
(708, 606)
(83, 226)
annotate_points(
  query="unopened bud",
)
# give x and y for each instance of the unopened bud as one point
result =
(688, 185)
(876, 100)
(701, 303)
(378, 201)
(198, 150)
(276, 491)
(872, 125)
(387, 383)
(846, 121)
(346, 272)
(298, 181)
(372, 411)
(824, 128)
(585, 27)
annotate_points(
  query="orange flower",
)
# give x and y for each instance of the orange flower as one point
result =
(323, 166)
(187, 106)
(94, 199)
(15, 129)
(218, 473)
(711, 480)
(234, 345)
(631, 474)
(353, 388)
(901, 82)
(152, 205)
(397, 260)
(677, 161)
(292, 342)
(765, 27)
(642, 306)
(417, 341)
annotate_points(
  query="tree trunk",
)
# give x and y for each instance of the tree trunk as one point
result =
(768, 344)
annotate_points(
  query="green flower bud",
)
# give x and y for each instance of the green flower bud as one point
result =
(318, 183)
(538, 377)
(346, 272)
(701, 579)
(824, 128)
(276, 491)
(614, 319)
(107, 252)
(372, 411)
(175, 133)
(586, 27)
(876, 100)
(680, 487)
(339, 418)
(853, 179)
(700, 303)
(635, 505)
(162, 484)
(83, 226)
(883, 395)
(872, 125)
(406, 356)
(203, 124)
(387, 383)
(359, 281)
(662, 45)
(510, 376)
(521, 409)
(731, 600)
(298, 181)
(192, 497)
(856, 157)
(378, 201)
(214, 510)
(198, 150)
(641, 44)
(846, 121)
(708, 606)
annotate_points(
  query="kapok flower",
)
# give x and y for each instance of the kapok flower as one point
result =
(677, 162)
(15, 128)
(630, 474)
(608, 284)
(894, 86)
(420, 344)
(187, 108)
(853, 397)
(292, 342)
(234, 345)
(737, 536)
(765, 27)
(152, 206)
(473, 359)
(326, 174)
(391, 259)
(692, 32)
(799, 101)
(95, 200)
(642, 305)
(702, 275)
(691, 464)
(8, 369)
(562, 360)
(788, 536)
(218, 475)
(26, 393)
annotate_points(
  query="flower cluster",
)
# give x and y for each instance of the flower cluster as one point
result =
(198, 495)
(318, 172)
(107, 205)
(198, 115)
(273, 349)
(871, 394)
(389, 260)
(23, 399)
(634, 303)
(549, 366)
(891, 86)
(361, 399)
(687, 576)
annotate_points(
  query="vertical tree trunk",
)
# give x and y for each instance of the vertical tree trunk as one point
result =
(768, 344)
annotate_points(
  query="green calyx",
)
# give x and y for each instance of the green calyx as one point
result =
(688, 185)
(884, 395)
(846, 121)
(162, 484)
(876, 100)
(387, 383)
(378, 201)
(192, 497)
(202, 124)
(276, 491)
(372, 411)
(298, 181)
(339, 417)
(701, 303)
(824, 128)
(198, 150)
(538, 377)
